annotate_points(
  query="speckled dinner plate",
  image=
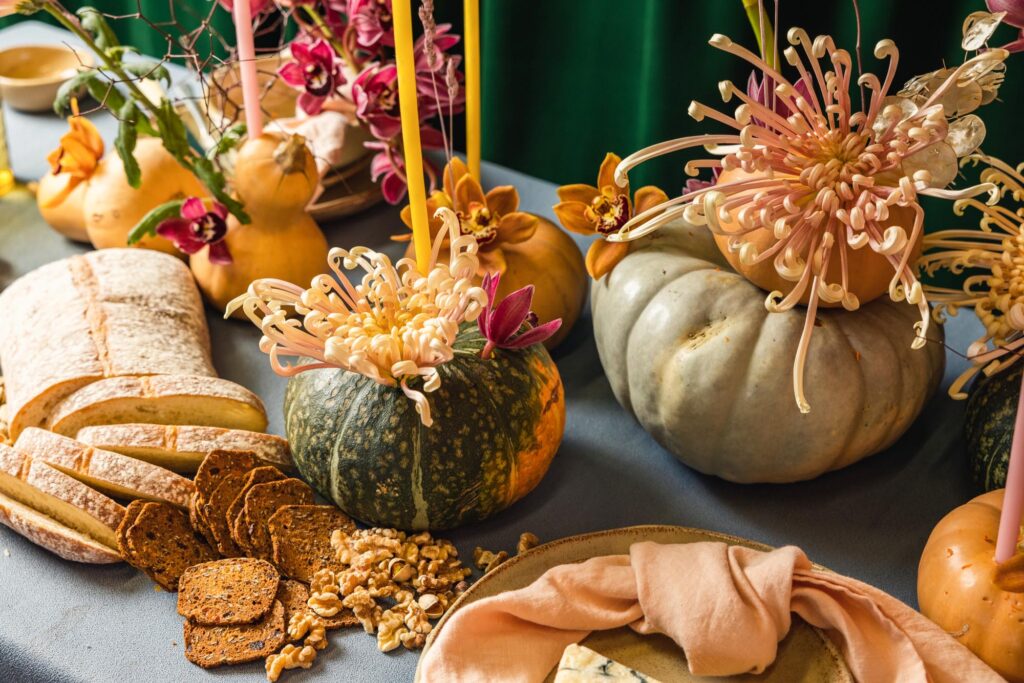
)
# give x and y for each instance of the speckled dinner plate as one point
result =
(805, 654)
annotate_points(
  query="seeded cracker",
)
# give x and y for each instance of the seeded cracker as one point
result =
(236, 523)
(293, 595)
(162, 544)
(198, 520)
(237, 590)
(130, 515)
(218, 464)
(301, 538)
(216, 510)
(212, 646)
(262, 501)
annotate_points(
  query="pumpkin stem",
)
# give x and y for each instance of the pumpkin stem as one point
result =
(1010, 574)
(290, 155)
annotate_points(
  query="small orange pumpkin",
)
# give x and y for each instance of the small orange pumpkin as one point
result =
(962, 589)
(870, 272)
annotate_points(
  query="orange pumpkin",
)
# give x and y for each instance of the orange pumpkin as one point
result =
(275, 178)
(962, 589)
(869, 272)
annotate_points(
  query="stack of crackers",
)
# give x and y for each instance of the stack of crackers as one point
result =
(241, 557)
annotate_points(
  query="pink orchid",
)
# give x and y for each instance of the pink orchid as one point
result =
(389, 167)
(316, 71)
(255, 6)
(375, 92)
(511, 324)
(434, 97)
(197, 228)
(1014, 17)
(372, 22)
(762, 91)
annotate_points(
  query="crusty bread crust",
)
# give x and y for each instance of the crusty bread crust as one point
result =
(112, 473)
(160, 399)
(105, 313)
(183, 447)
(55, 537)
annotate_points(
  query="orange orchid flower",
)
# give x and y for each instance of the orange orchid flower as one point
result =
(494, 218)
(78, 155)
(603, 210)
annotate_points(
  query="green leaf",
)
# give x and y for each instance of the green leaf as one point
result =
(82, 79)
(117, 52)
(172, 131)
(145, 126)
(211, 176)
(152, 220)
(106, 93)
(95, 23)
(228, 141)
(148, 69)
(124, 143)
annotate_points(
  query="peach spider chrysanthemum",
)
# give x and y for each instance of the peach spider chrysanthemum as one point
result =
(995, 287)
(392, 326)
(825, 179)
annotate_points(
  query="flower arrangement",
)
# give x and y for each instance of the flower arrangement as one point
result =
(393, 326)
(807, 179)
(994, 255)
(344, 55)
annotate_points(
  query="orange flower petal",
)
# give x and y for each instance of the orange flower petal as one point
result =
(407, 215)
(578, 192)
(647, 197)
(436, 200)
(606, 176)
(468, 192)
(492, 261)
(572, 216)
(452, 174)
(603, 256)
(503, 200)
(517, 226)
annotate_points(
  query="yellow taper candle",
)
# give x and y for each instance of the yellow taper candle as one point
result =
(471, 15)
(401, 14)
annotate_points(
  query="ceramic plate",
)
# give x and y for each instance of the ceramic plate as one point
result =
(805, 654)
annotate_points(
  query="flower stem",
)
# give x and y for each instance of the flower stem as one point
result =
(338, 45)
(488, 350)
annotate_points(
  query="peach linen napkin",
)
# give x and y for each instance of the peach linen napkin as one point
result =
(726, 606)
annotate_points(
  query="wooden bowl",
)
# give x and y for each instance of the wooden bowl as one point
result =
(30, 75)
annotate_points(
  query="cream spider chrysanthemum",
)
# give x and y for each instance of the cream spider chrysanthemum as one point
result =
(395, 325)
(806, 180)
(996, 287)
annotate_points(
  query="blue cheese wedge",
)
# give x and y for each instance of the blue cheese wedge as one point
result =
(582, 665)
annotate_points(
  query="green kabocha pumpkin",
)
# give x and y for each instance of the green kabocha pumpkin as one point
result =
(988, 426)
(690, 350)
(497, 424)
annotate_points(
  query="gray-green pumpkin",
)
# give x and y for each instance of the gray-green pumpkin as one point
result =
(988, 426)
(497, 424)
(690, 350)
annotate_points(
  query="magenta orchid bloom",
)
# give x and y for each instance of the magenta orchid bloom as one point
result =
(315, 71)
(372, 22)
(388, 166)
(434, 98)
(197, 228)
(375, 93)
(1014, 17)
(511, 324)
(762, 91)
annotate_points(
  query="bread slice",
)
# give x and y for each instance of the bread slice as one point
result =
(48, 533)
(160, 399)
(102, 314)
(64, 498)
(182, 447)
(112, 473)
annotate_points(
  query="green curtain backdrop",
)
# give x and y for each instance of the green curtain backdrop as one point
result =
(564, 81)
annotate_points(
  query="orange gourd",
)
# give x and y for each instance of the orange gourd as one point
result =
(870, 273)
(962, 589)
(112, 207)
(61, 204)
(275, 178)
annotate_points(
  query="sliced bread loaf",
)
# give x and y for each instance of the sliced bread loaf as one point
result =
(112, 473)
(160, 399)
(102, 314)
(48, 533)
(60, 496)
(182, 447)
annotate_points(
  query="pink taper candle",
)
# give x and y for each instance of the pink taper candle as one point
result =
(1013, 499)
(247, 67)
